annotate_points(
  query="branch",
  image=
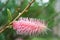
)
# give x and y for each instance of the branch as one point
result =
(7, 25)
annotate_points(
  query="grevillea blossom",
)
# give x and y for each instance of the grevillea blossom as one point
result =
(29, 26)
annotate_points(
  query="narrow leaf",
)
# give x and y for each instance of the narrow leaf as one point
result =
(9, 15)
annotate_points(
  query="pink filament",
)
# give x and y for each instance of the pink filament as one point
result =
(25, 26)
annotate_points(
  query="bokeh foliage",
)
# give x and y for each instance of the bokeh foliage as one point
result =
(45, 12)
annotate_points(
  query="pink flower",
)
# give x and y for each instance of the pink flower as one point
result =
(29, 26)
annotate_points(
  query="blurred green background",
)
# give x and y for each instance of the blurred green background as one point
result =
(41, 9)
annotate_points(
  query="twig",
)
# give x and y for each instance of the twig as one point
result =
(27, 7)
(7, 25)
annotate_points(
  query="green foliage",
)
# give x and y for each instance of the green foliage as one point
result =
(43, 12)
(9, 15)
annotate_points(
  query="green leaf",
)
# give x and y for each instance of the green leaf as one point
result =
(2, 37)
(9, 15)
